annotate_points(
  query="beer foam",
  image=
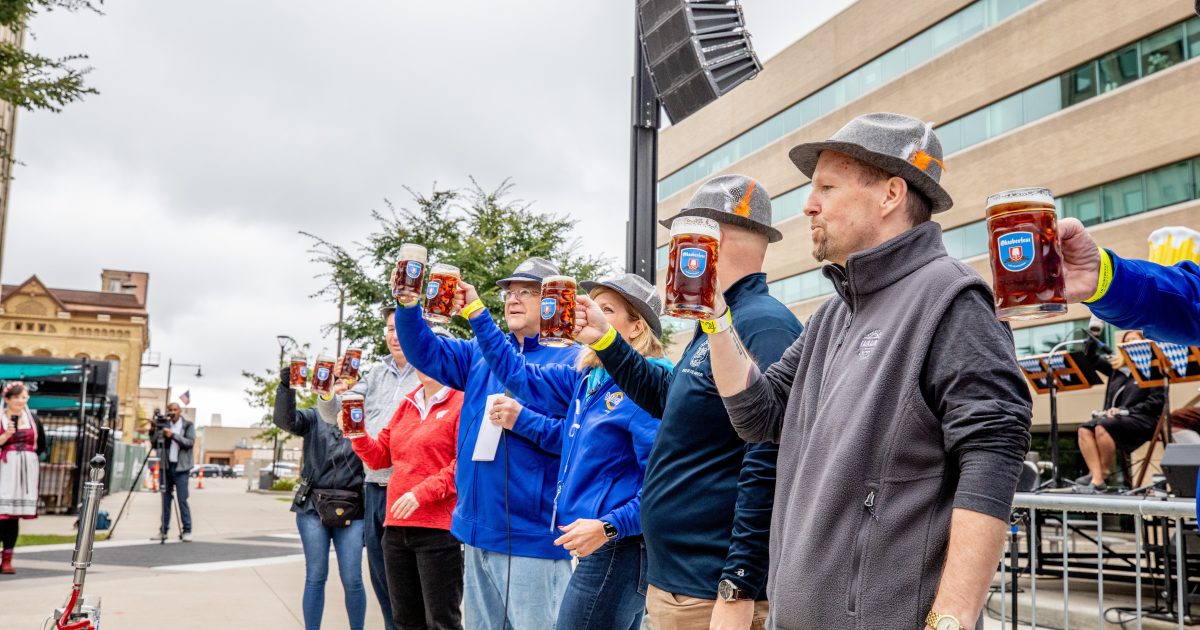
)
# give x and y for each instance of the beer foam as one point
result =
(703, 226)
(412, 251)
(443, 268)
(351, 396)
(1022, 195)
(1170, 245)
(567, 279)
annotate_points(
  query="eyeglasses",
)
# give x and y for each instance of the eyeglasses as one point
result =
(520, 294)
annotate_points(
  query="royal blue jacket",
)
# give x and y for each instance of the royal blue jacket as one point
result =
(1164, 302)
(706, 506)
(604, 438)
(532, 472)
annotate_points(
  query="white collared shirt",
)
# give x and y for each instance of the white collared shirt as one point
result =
(176, 427)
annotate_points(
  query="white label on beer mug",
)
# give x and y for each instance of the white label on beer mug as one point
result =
(693, 261)
(304, 371)
(322, 373)
(354, 362)
(413, 269)
(1016, 250)
(549, 307)
(432, 290)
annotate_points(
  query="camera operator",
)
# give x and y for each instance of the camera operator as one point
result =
(178, 435)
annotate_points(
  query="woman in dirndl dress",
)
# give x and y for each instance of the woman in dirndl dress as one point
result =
(21, 442)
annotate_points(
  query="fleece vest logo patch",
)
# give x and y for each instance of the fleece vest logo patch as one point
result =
(867, 346)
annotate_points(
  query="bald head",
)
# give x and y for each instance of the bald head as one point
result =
(741, 253)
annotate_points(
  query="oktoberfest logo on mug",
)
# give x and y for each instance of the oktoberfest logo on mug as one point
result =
(431, 290)
(356, 414)
(354, 362)
(322, 373)
(693, 261)
(1016, 250)
(413, 269)
(549, 307)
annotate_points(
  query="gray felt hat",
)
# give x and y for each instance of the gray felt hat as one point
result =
(534, 269)
(734, 199)
(639, 293)
(904, 146)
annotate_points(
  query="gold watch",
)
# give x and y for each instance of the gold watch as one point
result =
(942, 622)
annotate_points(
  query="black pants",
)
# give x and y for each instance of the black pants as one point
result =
(9, 529)
(425, 577)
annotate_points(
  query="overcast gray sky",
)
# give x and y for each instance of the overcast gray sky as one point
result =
(224, 127)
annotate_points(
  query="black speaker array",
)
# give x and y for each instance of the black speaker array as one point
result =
(696, 51)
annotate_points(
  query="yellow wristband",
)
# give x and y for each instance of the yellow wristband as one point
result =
(1106, 277)
(472, 308)
(723, 322)
(605, 341)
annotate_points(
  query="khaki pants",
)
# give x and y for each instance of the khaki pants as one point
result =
(668, 611)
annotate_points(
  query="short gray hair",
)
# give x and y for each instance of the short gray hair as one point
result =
(918, 208)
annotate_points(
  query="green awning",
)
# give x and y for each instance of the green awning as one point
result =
(18, 371)
(45, 403)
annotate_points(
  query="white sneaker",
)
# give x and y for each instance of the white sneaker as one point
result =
(186, 537)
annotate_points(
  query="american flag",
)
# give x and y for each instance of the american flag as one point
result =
(186, 397)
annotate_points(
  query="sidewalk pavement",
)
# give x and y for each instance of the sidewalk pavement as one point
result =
(244, 570)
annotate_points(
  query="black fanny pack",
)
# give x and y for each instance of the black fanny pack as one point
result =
(338, 508)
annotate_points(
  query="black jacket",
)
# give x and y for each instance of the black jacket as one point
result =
(1144, 404)
(329, 461)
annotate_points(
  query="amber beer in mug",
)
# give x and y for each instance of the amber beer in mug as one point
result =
(407, 288)
(692, 268)
(1026, 254)
(354, 416)
(323, 376)
(351, 363)
(558, 311)
(298, 371)
(439, 292)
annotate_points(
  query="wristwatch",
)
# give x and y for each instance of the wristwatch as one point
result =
(610, 530)
(942, 622)
(729, 592)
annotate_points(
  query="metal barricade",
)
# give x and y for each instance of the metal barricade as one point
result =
(1084, 521)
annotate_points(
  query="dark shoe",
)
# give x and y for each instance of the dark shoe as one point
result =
(161, 537)
(6, 566)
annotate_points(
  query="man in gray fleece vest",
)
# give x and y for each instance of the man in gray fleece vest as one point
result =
(900, 413)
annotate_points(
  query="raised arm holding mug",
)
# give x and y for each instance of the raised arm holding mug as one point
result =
(901, 415)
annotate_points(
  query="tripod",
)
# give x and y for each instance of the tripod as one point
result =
(161, 449)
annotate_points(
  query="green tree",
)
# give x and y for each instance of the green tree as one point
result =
(37, 82)
(484, 233)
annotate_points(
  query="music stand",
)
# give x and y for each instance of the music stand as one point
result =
(1159, 364)
(1053, 372)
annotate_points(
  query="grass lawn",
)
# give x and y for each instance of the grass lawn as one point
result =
(52, 539)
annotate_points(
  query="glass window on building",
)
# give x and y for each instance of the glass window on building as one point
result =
(790, 204)
(919, 49)
(1041, 100)
(974, 128)
(972, 20)
(1083, 205)
(1193, 37)
(951, 136)
(1196, 178)
(967, 240)
(1123, 198)
(1079, 84)
(1005, 115)
(1118, 68)
(1169, 185)
(1041, 339)
(1163, 49)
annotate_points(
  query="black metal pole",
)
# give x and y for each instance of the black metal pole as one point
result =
(1014, 557)
(167, 394)
(643, 166)
(80, 440)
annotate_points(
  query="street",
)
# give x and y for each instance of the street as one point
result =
(244, 570)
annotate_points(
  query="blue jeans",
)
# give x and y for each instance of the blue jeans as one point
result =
(375, 507)
(348, 544)
(173, 482)
(535, 591)
(608, 589)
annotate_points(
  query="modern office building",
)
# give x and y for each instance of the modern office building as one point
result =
(1098, 101)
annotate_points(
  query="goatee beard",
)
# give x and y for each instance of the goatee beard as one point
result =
(820, 249)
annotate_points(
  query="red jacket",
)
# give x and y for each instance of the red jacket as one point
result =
(421, 452)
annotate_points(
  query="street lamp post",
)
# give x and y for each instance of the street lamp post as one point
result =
(283, 340)
(170, 364)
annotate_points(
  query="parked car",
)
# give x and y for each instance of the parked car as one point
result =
(210, 470)
(286, 469)
(239, 471)
(227, 471)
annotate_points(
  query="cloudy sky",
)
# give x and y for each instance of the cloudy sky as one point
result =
(224, 127)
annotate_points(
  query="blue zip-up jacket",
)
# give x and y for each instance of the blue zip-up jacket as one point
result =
(604, 438)
(1164, 302)
(479, 518)
(706, 506)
